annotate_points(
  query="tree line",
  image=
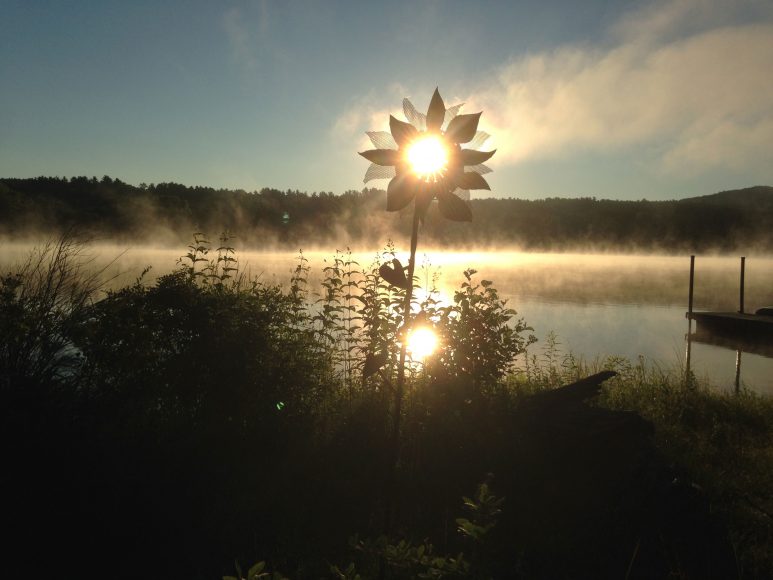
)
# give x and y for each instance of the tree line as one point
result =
(107, 207)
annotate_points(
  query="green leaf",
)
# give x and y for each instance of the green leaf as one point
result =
(394, 275)
(453, 208)
(400, 192)
(373, 362)
(381, 156)
(436, 112)
(462, 128)
(472, 180)
(255, 570)
(403, 132)
(472, 157)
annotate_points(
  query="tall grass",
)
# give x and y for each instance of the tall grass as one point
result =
(41, 301)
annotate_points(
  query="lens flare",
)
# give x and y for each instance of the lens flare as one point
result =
(427, 157)
(422, 342)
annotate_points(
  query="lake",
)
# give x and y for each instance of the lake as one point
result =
(596, 304)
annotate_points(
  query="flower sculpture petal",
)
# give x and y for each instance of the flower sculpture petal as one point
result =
(424, 160)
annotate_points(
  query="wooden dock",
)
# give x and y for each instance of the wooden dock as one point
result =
(739, 331)
(750, 327)
(729, 326)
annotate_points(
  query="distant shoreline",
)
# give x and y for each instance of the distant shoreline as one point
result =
(167, 214)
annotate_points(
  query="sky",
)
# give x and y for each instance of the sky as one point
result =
(616, 99)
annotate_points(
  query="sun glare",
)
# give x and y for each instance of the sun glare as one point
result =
(427, 156)
(422, 342)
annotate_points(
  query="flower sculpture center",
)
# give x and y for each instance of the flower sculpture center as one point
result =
(427, 157)
(424, 159)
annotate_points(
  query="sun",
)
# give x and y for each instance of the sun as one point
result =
(428, 157)
(422, 342)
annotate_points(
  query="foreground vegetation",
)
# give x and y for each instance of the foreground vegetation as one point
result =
(168, 429)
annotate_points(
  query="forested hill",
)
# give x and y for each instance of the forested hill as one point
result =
(759, 197)
(738, 220)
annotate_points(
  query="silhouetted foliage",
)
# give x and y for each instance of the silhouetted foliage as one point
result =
(166, 429)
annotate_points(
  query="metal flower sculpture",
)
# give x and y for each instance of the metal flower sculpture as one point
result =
(425, 160)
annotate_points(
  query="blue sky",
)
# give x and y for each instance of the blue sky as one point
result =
(615, 99)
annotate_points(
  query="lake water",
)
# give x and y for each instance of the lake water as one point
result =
(596, 304)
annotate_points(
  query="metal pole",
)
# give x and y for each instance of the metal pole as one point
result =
(743, 271)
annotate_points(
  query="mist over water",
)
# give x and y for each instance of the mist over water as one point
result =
(596, 304)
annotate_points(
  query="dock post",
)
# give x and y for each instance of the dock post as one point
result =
(692, 284)
(687, 366)
(743, 271)
(688, 369)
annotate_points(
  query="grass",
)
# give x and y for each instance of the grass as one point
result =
(719, 441)
(723, 442)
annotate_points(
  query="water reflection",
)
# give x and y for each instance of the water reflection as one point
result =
(688, 353)
(757, 354)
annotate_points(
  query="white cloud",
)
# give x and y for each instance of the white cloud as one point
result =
(688, 81)
(704, 99)
(728, 144)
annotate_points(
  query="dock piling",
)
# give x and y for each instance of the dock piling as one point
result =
(743, 272)
(692, 284)
(688, 370)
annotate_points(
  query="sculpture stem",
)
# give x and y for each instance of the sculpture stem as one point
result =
(394, 450)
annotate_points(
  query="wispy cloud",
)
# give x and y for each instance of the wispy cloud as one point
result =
(246, 30)
(368, 112)
(703, 98)
(687, 81)
(239, 38)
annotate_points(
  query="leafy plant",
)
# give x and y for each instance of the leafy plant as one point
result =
(256, 572)
(483, 509)
(477, 336)
(405, 559)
